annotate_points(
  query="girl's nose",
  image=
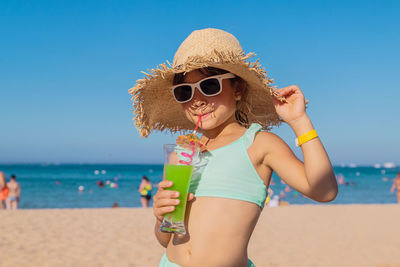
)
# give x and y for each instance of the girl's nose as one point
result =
(198, 98)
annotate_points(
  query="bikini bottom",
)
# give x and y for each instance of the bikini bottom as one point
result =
(166, 263)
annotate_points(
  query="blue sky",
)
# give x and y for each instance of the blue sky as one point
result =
(66, 67)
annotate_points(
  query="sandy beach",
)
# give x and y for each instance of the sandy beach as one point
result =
(328, 235)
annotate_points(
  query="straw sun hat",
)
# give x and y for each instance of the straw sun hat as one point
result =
(154, 106)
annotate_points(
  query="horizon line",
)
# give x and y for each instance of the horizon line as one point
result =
(343, 165)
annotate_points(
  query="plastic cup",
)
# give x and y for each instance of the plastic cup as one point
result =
(180, 174)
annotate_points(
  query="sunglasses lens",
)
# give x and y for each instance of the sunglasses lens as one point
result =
(183, 93)
(210, 86)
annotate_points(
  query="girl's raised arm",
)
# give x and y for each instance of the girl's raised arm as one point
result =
(315, 177)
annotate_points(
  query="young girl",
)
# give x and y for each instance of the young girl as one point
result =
(212, 78)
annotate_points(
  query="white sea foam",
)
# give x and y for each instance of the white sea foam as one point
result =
(389, 165)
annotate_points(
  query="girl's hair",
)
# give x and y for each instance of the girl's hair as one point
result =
(242, 107)
(145, 178)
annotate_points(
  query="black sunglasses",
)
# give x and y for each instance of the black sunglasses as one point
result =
(209, 86)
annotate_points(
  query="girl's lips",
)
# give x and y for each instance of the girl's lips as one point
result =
(205, 116)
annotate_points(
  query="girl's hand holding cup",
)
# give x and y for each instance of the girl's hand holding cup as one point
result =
(166, 200)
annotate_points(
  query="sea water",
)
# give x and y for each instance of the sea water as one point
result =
(57, 186)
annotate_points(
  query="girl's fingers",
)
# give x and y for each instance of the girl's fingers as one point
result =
(276, 101)
(164, 184)
(164, 202)
(164, 194)
(167, 194)
(190, 197)
(285, 91)
(161, 188)
(291, 93)
(159, 213)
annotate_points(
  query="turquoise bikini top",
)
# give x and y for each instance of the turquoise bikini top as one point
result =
(228, 172)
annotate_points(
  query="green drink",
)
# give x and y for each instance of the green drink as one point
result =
(179, 174)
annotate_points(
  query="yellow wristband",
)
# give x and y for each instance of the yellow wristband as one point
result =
(306, 137)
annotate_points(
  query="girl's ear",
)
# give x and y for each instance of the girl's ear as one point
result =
(238, 95)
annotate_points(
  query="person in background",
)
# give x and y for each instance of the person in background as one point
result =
(269, 195)
(14, 193)
(145, 189)
(340, 178)
(3, 190)
(396, 185)
(100, 183)
(274, 202)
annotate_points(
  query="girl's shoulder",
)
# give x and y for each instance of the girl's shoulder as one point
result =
(265, 136)
(268, 142)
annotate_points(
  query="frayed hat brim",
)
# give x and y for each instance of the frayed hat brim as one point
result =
(155, 108)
